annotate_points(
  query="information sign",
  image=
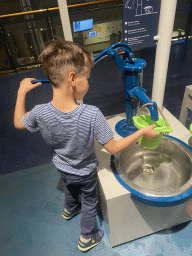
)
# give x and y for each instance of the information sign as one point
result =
(140, 22)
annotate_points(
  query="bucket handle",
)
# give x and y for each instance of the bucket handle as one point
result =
(148, 104)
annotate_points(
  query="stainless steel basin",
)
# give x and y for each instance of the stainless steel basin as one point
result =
(165, 172)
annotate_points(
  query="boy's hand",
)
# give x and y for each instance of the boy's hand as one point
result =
(149, 131)
(26, 85)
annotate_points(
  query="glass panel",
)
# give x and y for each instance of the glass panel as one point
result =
(4, 59)
(181, 19)
(10, 6)
(107, 25)
(27, 39)
(45, 4)
(4, 54)
(22, 42)
(56, 24)
(42, 32)
(27, 36)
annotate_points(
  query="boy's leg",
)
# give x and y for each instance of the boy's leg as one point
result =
(89, 202)
(72, 206)
(71, 196)
(90, 237)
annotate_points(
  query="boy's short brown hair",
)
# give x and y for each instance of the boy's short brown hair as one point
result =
(60, 57)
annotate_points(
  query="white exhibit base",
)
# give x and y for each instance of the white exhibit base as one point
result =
(124, 218)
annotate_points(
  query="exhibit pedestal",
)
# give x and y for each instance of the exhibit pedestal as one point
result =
(124, 218)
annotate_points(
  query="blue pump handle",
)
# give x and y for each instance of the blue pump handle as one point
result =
(129, 64)
(43, 81)
(128, 51)
(112, 48)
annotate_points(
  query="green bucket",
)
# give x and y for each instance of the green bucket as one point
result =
(162, 126)
(190, 128)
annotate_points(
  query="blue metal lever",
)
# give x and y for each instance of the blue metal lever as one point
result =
(43, 81)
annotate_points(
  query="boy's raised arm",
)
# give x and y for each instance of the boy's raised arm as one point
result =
(25, 86)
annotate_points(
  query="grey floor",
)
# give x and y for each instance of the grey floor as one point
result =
(31, 191)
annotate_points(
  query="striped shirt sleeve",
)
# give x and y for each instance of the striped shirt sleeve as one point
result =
(102, 131)
(30, 122)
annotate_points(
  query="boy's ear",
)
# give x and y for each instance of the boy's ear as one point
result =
(72, 77)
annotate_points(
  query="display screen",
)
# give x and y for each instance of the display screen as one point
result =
(82, 25)
(92, 33)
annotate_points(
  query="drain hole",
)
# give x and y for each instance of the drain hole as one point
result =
(147, 168)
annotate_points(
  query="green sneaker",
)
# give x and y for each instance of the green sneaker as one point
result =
(69, 215)
(90, 243)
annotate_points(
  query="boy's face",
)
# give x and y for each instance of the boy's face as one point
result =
(82, 85)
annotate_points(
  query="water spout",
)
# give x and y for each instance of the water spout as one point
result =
(139, 92)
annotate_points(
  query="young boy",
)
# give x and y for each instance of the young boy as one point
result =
(70, 129)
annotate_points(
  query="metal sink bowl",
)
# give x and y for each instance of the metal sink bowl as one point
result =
(161, 178)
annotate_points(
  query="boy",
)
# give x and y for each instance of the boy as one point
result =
(70, 129)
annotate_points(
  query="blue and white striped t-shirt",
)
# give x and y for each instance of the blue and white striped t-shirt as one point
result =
(71, 135)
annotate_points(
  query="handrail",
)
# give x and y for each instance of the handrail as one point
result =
(22, 13)
(55, 8)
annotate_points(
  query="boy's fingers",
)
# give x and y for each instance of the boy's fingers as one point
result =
(37, 84)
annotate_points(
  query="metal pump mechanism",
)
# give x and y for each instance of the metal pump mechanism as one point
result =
(133, 73)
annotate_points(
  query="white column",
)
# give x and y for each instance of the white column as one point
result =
(164, 37)
(65, 19)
